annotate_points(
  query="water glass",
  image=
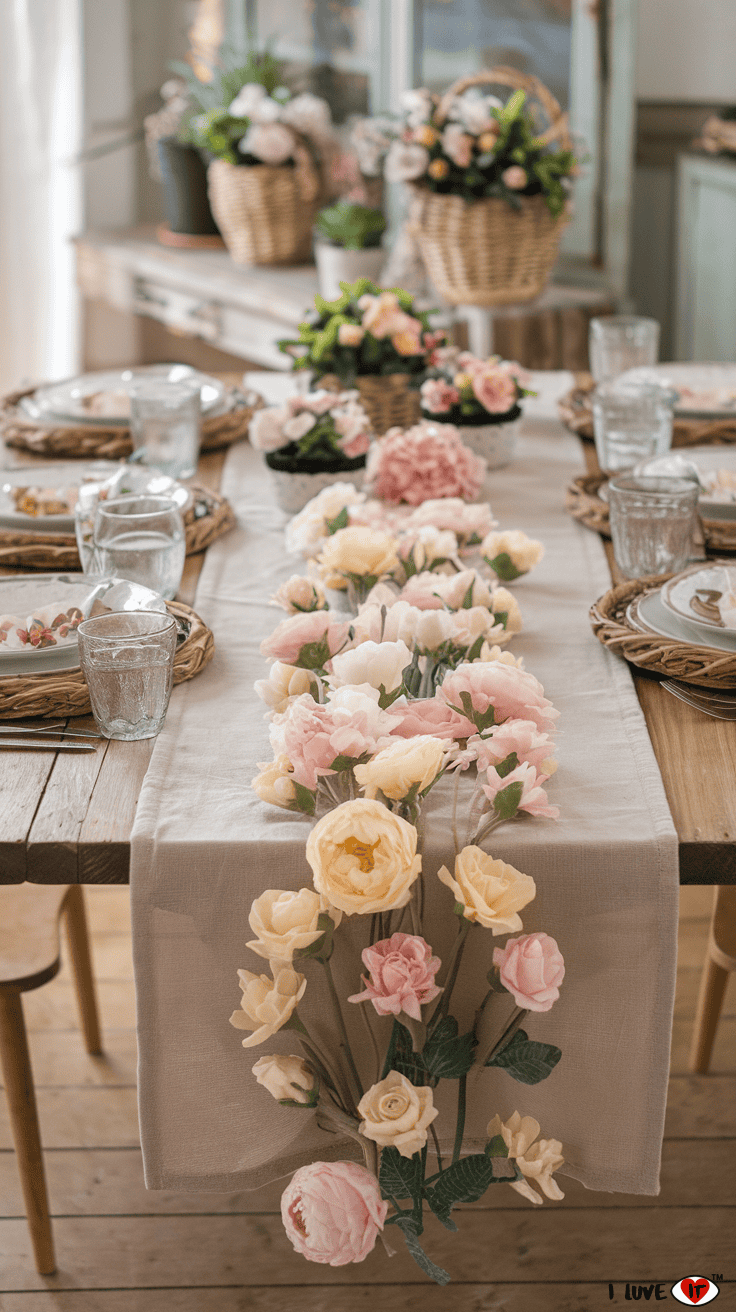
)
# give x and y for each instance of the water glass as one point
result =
(652, 523)
(141, 539)
(127, 659)
(165, 425)
(619, 342)
(632, 422)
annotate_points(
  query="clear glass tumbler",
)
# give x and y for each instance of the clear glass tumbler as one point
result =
(652, 523)
(127, 659)
(632, 422)
(619, 342)
(165, 425)
(141, 539)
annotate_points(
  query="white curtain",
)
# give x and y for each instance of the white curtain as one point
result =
(40, 188)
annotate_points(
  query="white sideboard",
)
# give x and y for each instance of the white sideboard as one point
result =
(705, 325)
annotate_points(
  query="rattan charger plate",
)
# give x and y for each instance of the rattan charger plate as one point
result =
(686, 661)
(207, 518)
(584, 503)
(576, 414)
(65, 693)
(110, 442)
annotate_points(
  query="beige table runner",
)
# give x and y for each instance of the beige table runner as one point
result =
(204, 845)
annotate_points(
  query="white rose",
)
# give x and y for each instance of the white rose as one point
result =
(305, 531)
(454, 588)
(273, 143)
(489, 653)
(429, 544)
(299, 426)
(247, 100)
(536, 1161)
(405, 161)
(266, 429)
(267, 1004)
(524, 552)
(274, 783)
(300, 594)
(504, 602)
(477, 622)
(284, 683)
(491, 892)
(379, 664)
(268, 111)
(308, 114)
(396, 1114)
(433, 629)
(285, 1077)
(285, 922)
(406, 763)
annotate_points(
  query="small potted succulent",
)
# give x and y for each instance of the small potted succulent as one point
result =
(481, 397)
(347, 246)
(311, 441)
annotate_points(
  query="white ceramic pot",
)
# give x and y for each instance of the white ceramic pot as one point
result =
(495, 442)
(293, 491)
(336, 265)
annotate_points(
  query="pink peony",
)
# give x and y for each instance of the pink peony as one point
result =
(533, 797)
(438, 396)
(299, 631)
(402, 971)
(522, 737)
(532, 969)
(496, 391)
(333, 1212)
(424, 462)
(429, 715)
(312, 735)
(515, 694)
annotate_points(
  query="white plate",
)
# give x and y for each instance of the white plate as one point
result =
(69, 474)
(705, 391)
(655, 617)
(66, 400)
(708, 460)
(678, 594)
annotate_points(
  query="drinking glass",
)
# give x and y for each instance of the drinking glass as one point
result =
(619, 342)
(127, 659)
(165, 423)
(652, 523)
(632, 422)
(141, 539)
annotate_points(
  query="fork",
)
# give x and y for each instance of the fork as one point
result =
(718, 706)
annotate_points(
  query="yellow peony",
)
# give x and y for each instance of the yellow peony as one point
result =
(358, 550)
(491, 892)
(363, 858)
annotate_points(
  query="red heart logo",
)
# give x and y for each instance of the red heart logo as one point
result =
(695, 1287)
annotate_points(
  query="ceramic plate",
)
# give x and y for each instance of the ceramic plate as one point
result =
(61, 478)
(102, 398)
(717, 468)
(649, 614)
(694, 595)
(704, 391)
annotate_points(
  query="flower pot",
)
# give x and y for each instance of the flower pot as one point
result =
(293, 491)
(496, 443)
(335, 264)
(186, 203)
(264, 213)
(387, 399)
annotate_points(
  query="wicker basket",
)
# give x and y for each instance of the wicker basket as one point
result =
(265, 213)
(484, 252)
(388, 399)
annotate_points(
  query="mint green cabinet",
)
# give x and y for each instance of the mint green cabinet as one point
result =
(705, 327)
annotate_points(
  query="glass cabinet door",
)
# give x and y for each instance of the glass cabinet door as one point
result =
(327, 45)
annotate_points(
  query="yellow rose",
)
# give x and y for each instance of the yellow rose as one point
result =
(266, 1003)
(505, 603)
(363, 857)
(491, 892)
(396, 1114)
(438, 169)
(274, 783)
(358, 550)
(536, 1161)
(286, 922)
(524, 552)
(397, 768)
(285, 1077)
(487, 139)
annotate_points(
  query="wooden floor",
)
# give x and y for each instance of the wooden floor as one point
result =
(121, 1249)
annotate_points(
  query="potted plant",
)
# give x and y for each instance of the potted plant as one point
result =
(347, 246)
(311, 441)
(374, 339)
(489, 186)
(482, 397)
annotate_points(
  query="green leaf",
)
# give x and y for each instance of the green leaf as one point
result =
(525, 1060)
(496, 1147)
(447, 1055)
(508, 764)
(506, 803)
(464, 1182)
(348, 762)
(340, 521)
(401, 1177)
(467, 600)
(409, 1227)
(504, 567)
(322, 947)
(475, 650)
(313, 655)
(386, 699)
(305, 798)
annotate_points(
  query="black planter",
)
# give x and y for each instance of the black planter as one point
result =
(185, 189)
(290, 464)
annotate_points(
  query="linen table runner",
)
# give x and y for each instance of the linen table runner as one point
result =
(204, 846)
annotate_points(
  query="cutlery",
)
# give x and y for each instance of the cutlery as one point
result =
(724, 695)
(50, 744)
(716, 710)
(50, 728)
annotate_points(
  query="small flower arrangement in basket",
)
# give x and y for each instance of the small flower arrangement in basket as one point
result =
(374, 339)
(480, 396)
(489, 184)
(310, 442)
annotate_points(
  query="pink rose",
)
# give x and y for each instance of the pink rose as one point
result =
(333, 1212)
(402, 971)
(350, 334)
(532, 969)
(354, 446)
(515, 694)
(438, 396)
(495, 390)
(533, 797)
(383, 315)
(428, 715)
(292, 634)
(514, 177)
(458, 145)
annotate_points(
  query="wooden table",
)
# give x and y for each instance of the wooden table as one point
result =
(68, 819)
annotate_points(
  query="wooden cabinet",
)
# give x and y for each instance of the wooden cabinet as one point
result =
(705, 327)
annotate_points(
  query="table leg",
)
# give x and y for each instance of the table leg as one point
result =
(720, 960)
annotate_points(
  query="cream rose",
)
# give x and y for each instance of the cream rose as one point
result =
(505, 603)
(285, 922)
(536, 1161)
(523, 552)
(491, 892)
(358, 550)
(300, 594)
(285, 1077)
(398, 768)
(380, 664)
(363, 857)
(267, 1004)
(396, 1114)
(274, 783)
(284, 683)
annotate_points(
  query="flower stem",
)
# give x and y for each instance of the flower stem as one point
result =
(325, 1070)
(453, 967)
(455, 838)
(437, 1148)
(367, 1022)
(460, 1130)
(345, 1042)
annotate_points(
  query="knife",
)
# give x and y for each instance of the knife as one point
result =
(48, 743)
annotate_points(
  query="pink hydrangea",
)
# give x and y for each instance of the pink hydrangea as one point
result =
(402, 971)
(424, 462)
(533, 797)
(429, 715)
(298, 631)
(333, 1212)
(514, 693)
(438, 396)
(532, 969)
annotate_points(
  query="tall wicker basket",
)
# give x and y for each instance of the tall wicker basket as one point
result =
(265, 213)
(387, 399)
(484, 252)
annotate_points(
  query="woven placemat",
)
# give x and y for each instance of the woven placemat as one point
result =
(678, 660)
(583, 502)
(109, 442)
(207, 518)
(576, 414)
(65, 693)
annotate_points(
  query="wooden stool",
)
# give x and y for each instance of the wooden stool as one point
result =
(29, 957)
(720, 960)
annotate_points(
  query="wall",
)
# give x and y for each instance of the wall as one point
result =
(685, 50)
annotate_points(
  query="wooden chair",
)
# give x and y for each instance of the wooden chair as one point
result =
(29, 957)
(721, 959)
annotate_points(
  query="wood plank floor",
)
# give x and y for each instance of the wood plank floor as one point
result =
(123, 1249)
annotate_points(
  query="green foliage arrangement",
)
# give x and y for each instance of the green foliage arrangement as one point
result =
(354, 227)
